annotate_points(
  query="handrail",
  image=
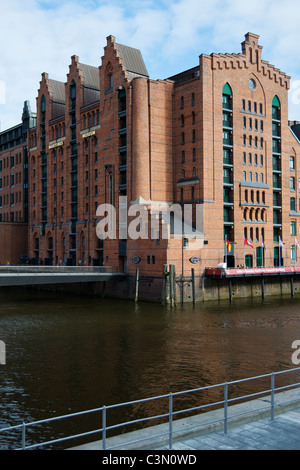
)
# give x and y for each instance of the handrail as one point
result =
(169, 414)
(32, 269)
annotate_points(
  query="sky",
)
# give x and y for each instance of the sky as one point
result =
(41, 36)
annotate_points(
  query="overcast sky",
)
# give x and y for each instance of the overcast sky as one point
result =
(41, 36)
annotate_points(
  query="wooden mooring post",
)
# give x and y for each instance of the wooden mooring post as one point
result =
(193, 286)
(262, 287)
(136, 292)
(230, 290)
(172, 285)
(292, 286)
(165, 285)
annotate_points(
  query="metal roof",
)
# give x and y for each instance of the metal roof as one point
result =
(132, 60)
(91, 76)
(58, 90)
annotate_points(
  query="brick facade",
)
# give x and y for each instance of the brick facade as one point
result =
(216, 135)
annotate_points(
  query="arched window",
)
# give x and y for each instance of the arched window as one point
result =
(109, 78)
(43, 109)
(227, 96)
(276, 108)
(73, 95)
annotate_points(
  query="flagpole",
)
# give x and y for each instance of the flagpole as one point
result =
(280, 256)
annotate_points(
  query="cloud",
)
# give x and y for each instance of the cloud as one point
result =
(42, 35)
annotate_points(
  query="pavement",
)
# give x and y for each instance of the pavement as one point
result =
(282, 433)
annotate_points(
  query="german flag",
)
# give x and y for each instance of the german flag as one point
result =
(228, 244)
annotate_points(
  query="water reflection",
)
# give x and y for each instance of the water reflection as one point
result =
(68, 353)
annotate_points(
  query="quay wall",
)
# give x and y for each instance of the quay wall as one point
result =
(152, 289)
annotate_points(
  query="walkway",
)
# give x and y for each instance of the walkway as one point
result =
(283, 433)
(38, 275)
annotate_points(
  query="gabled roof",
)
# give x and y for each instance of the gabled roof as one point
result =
(91, 76)
(58, 91)
(132, 60)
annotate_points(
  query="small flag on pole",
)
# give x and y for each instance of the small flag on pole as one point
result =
(297, 243)
(263, 244)
(247, 243)
(281, 243)
(228, 244)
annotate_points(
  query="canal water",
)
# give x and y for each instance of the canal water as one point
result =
(68, 353)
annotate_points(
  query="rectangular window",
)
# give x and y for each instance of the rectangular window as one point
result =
(276, 256)
(259, 257)
(276, 163)
(226, 156)
(293, 227)
(226, 138)
(226, 175)
(292, 204)
(276, 217)
(293, 253)
(276, 146)
(226, 102)
(292, 183)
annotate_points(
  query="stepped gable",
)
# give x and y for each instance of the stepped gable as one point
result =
(130, 59)
(250, 58)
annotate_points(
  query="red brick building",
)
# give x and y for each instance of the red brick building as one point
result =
(216, 136)
(14, 189)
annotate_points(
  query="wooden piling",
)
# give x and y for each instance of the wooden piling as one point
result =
(137, 277)
(193, 286)
(172, 285)
(262, 287)
(164, 289)
(230, 290)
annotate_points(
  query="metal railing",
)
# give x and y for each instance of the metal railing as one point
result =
(35, 269)
(168, 416)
